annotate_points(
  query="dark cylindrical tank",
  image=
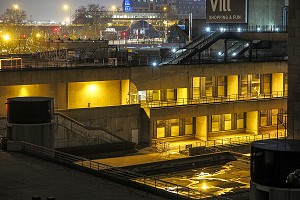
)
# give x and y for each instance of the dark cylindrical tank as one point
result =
(272, 161)
(29, 110)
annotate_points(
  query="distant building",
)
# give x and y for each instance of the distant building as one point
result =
(175, 8)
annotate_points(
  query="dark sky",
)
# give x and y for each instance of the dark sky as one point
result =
(52, 9)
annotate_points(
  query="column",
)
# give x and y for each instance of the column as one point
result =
(252, 122)
(201, 128)
(293, 68)
(125, 94)
(232, 87)
(277, 84)
(182, 95)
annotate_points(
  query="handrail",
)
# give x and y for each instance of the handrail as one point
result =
(237, 48)
(219, 99)
(217, 143)
(90, 127)
(190, 48)
(116, 172)
(283, 122)
(105, 132)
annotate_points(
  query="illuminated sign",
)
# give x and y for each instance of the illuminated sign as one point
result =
(226, 11)
(110, 30)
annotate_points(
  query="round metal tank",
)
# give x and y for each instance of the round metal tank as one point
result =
(29, 110)
(274, 161)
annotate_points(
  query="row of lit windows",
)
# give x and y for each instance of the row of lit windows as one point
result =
(224, 122)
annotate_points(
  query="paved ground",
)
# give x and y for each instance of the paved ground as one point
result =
(22, 177)
(146, 155)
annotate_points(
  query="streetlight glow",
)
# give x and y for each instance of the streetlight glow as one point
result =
(6, 37)
(113, 8)
(16, 6)
(66, 8)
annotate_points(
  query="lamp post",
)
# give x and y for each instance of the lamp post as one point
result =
(16, 8)
(67, 8)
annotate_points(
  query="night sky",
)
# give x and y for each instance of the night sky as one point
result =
(52, 9)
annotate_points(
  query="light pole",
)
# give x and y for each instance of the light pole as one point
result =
(67, 8)
(16, 8)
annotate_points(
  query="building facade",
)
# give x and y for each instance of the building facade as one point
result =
(206, 100)
(177, 9)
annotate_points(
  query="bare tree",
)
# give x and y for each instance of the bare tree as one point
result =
(14, 16)
(91, 14)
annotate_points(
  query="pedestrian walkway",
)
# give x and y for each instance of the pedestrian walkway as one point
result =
(168, 150)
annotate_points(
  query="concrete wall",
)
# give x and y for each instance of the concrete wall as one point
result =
(50, 90)
(53, 83)
(94, 94)
(252, 122)
(72, 95)
(216, 109)
(145, 78)
(121, 120)
(294, 72)
(202, 128)
(39, 134)
(163, 77)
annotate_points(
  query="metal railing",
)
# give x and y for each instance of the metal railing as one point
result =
(196, 45)
(238, 140)
(237, 48)
(94, 135)
(216, 143)
(219, 99)
(122, 174)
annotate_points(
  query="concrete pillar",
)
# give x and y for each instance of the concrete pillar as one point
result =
(252, 122)
(125, 93)
(277, 84)
(170, 94)
(201, 128)
(294, 68)
(182, 95)
(232, 86)
(156, 95)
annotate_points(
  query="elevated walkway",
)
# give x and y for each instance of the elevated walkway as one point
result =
(202, 43)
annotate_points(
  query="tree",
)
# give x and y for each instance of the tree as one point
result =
(14, 16)
(92, 14)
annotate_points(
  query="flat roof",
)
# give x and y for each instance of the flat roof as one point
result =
(23, 177)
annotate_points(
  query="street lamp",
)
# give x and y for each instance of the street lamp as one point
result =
(66, 8)
(113, 9)
(16, 6)
(5, 38)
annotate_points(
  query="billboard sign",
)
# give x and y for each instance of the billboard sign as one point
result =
(226, 11)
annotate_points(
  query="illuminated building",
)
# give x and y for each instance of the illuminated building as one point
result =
(141, 103)
(178, 8)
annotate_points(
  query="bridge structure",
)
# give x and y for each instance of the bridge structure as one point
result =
(226, 46)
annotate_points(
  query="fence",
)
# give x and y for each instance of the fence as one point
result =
(219, 99)
(115, 172)
(217, 142)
